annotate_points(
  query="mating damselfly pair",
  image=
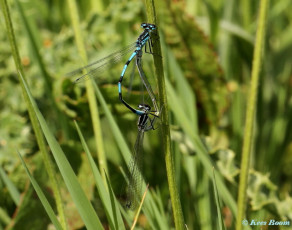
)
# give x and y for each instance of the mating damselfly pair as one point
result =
(146, 117)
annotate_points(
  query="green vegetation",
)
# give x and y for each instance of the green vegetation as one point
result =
(222, 74)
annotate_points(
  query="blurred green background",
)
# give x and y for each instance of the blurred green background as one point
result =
(207, 43)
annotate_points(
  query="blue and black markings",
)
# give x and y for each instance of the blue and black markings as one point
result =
(99, 66)
(140, 43)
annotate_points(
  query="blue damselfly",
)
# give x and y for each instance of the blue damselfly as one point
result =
(96, 68)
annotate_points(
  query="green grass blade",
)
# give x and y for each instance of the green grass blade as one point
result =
(10, 186)
(213, 20)
(220, 219)
(48, 85)
(226, 41)
(184, 91)
(94, 112)
(63, 122)
(42, 197)
(166, 140)
(36, 128)
(35, 50)
(202, 191)
(114, 206)
(5, 219)
(246, 13)
(236, 30)
(177, 110)
(250, 112)
(83, 205)
(113, 214)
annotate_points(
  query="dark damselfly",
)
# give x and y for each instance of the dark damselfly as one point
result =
(145, 123)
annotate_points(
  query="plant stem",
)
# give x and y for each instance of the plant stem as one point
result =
(250, 113)
(38, 133)
(90, 92)
(166, 141)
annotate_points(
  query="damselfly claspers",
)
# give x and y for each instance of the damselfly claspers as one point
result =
(95, 68)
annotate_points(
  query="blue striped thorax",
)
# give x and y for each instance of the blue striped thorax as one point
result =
(145, 35)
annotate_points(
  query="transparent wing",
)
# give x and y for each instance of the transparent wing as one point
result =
(146, 83)
(96, 68)
(135, 177)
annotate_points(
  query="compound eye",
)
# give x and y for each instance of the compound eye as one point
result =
(151, 26)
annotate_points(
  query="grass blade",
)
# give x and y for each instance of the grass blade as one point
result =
(113, 215)
(90, 91)
(166, 141)
(42, 197)
(36, 128)
(83, 205)
(220, 219)
(200, 148)
(10, 186)
(250, 112)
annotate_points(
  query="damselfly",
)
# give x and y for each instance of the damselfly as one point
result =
(96, 68)
(145, 123)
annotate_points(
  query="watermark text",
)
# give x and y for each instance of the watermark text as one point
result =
(254, 222)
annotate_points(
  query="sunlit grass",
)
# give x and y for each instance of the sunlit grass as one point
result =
(207, 54)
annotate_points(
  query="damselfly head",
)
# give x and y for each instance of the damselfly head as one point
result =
(148, 26)
(144, 107)
(128, 204)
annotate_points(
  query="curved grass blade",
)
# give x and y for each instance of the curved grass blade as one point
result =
(15, 195)
(97, 67)
(42, 197)
(114, 204)
(183, 121)
(220, 219)
(112, 213)
(82, 203)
